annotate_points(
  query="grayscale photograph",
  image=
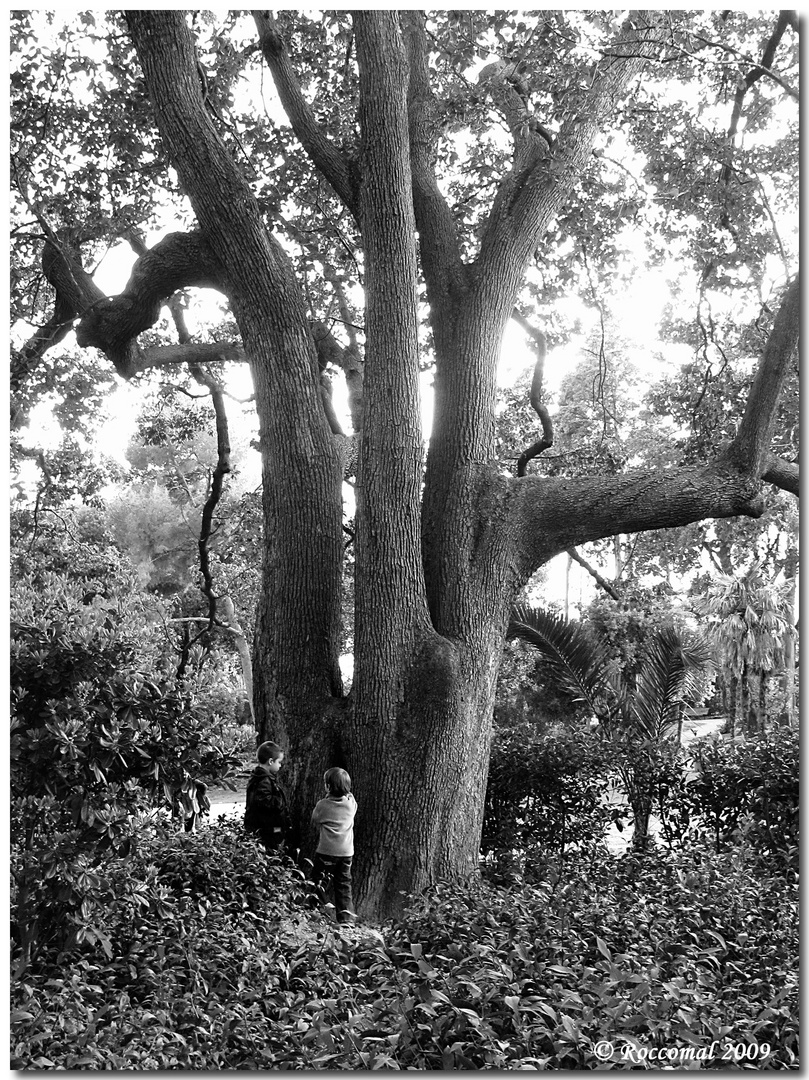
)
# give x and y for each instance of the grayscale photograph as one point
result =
(404, 539)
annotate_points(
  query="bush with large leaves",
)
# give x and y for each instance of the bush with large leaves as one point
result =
(97, 740)
(211, 968)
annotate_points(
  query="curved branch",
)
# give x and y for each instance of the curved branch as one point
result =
(222, 469)
(113, 324)
(324, 155)
(76, 292)
(761, 69)
(537, 403)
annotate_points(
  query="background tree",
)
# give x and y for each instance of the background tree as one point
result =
(748, 621)
(493, 174)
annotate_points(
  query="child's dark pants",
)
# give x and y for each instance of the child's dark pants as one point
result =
(335, 871)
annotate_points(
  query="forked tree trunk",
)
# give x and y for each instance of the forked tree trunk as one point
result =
(433, 591)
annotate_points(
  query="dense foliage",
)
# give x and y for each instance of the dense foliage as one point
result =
(545, 791)
(749, 788)
(100, 737)
(214, 962)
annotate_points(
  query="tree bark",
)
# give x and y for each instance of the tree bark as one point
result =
(297, 684)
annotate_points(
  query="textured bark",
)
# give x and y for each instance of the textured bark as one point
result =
(296, 676)
(393, 640)
(751, 447)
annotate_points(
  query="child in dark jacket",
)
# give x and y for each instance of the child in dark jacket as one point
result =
(266, 810)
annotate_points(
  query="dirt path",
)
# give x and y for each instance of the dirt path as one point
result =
(225, 802)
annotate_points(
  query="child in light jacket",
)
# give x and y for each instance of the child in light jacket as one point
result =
(334, 817)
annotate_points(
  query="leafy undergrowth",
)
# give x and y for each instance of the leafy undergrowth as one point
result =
(217, 960)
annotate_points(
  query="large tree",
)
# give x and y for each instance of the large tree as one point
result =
(443, 545)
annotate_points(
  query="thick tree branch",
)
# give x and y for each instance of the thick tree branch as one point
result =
(113, 324)
(75, 293)
(554, 514)
(333, 164)
(784, 474)
(193, 352)
(751, 448)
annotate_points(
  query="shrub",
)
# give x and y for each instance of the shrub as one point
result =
(545, 792)
(207, 971)
(752, 786)
(190, 966)
(658, 951)
(94, 744)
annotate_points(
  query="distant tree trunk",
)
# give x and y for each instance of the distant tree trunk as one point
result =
(763, 683)
(732, 689)
(747, 715)
(788, 680)
(641, 803)
(618, 555)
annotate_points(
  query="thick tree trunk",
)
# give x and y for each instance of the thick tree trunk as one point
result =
(433, 593)
(297, 682)
(422, 800)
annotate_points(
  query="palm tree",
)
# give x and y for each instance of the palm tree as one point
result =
(641, 716)
(749, 623)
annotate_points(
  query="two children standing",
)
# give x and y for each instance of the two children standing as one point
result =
(267, 815)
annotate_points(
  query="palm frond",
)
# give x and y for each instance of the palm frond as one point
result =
(673, 665)
(573, 657)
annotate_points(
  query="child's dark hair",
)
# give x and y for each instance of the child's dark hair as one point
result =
(337, 781)
(268, 751)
